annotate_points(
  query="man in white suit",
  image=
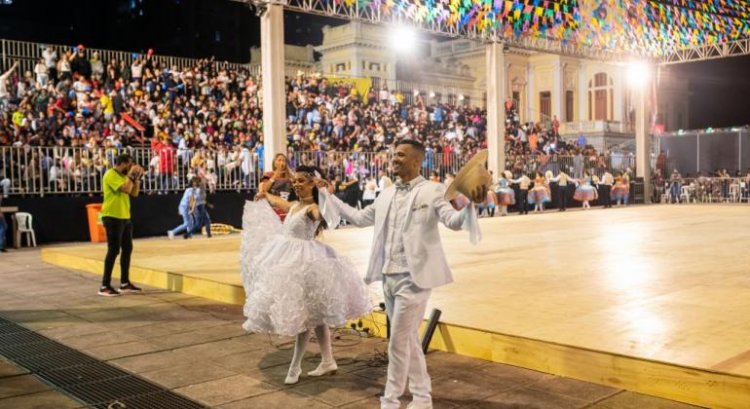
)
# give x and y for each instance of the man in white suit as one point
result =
(408, 257)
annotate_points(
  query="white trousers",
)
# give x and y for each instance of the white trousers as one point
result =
(405, 304)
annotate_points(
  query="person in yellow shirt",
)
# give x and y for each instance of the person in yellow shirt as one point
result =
(119, 184)
(107, 106)
(18, 118)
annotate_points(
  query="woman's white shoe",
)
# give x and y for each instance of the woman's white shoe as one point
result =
(292, 376)
(325, 368)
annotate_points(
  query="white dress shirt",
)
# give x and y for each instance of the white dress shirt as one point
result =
(395, 254)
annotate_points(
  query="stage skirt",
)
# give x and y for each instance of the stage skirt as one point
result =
(506, 196)
(585, 193)
(619, 192)
(539, 194)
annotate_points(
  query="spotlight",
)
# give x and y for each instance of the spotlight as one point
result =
(432, 94)
(416, 92)
(460, 97)
(403, 39)
(638, 73)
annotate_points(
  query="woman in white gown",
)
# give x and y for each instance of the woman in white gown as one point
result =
(293, 282)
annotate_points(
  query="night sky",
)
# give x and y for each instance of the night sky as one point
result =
(720, 90)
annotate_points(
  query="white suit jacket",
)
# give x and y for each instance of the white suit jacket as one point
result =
(424, 251)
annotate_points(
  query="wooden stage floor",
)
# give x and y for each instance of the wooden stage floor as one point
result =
(664, 285)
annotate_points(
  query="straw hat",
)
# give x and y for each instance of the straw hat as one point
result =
(471, 176)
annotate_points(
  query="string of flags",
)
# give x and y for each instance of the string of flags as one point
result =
(652, 27)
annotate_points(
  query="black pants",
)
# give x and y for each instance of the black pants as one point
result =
(562, 196)
(605, 193)
(523, 202)
(119, 236)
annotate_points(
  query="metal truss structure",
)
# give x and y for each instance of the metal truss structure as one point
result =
(373, 15)
(708, 52)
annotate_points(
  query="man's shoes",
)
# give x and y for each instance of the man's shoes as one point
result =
(170, 235)
(108, 292)
(128, 288)
(3, 250)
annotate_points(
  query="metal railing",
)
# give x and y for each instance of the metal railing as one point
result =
(575, 166)
(369, 164)
(67, 170)
(594, 126)
(28, 53)
(430, 93)
(702, 152)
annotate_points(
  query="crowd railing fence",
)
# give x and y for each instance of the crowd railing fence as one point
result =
(53, 170)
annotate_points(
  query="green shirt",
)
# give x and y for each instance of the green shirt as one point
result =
(116, 203)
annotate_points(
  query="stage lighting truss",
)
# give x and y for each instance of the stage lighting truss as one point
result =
(372, 12)
(708, 52)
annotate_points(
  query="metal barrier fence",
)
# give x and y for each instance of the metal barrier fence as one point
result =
(431, 93)
(28, 53)
(575, 166)
(67, 170)
(702, 153)
(365, 164)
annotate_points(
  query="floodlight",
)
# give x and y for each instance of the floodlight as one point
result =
(403, 39)
(638, 73)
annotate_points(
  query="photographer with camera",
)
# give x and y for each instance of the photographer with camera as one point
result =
(119, 184)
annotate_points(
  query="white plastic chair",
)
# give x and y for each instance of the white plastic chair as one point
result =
(685, 194)
(734, 192)
(24, 221)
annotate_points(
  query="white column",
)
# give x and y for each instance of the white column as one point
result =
(619, 97)
(530, 94)
(643, 139)
(583, 113)
(274, 98)
(496, 95)
(557, 89)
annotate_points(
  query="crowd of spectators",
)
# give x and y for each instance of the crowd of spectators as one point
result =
(76, 99)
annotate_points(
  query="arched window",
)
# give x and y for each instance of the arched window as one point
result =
(601, 97)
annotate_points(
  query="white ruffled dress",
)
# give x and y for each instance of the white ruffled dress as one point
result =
(292, 281)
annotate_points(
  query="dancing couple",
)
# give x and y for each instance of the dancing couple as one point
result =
(294, 283)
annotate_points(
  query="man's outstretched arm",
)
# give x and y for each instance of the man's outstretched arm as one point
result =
(334, 209)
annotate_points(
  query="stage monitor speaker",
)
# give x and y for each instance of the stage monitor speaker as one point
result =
(430, 330)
